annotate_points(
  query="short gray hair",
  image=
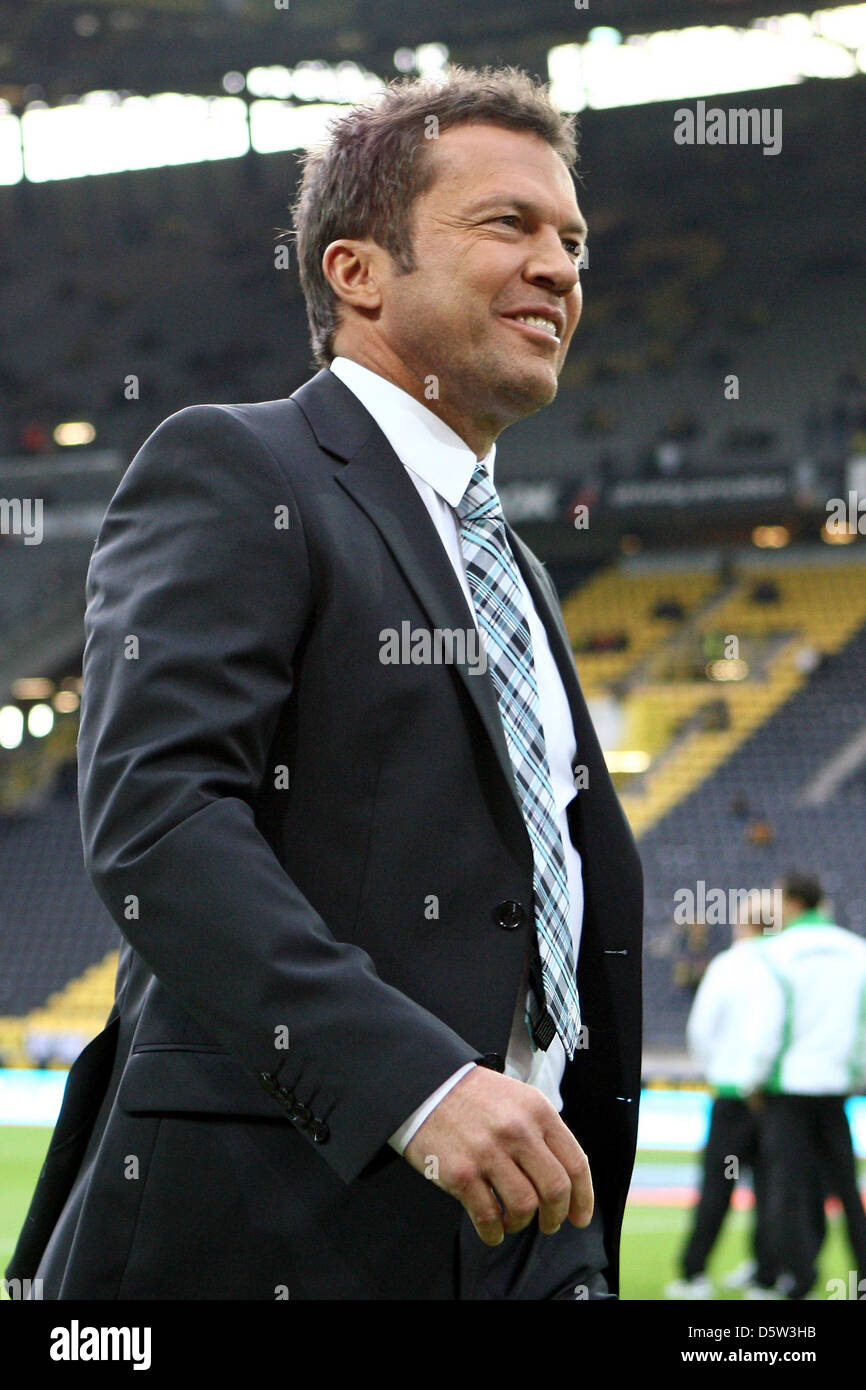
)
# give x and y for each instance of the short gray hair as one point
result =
(364, 179)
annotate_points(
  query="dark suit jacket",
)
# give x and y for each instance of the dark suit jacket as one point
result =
(303, 965)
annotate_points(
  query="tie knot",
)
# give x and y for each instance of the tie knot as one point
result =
(480, 502)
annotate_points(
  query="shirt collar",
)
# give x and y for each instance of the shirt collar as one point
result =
(422, 442)
(813, 917)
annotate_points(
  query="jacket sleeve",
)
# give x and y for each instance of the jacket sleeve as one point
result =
(198, 592)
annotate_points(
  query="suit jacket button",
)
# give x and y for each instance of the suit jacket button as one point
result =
(301, 1113)
(268, 1082)
(509, 914)
(318, 1131)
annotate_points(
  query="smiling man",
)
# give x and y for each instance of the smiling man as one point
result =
(377, 1026)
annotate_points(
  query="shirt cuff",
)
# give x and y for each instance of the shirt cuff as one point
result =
(400, 1138)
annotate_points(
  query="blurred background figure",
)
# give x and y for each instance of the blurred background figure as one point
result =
(728, 994)
(807, 1039)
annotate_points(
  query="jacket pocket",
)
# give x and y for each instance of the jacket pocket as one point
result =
(166, 1080)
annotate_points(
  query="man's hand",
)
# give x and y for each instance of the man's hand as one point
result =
(497, 1138)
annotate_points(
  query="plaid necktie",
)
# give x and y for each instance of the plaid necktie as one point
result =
(495, 586)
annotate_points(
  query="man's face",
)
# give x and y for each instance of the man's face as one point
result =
(499, 233)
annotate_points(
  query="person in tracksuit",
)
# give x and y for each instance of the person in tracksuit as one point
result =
(715, 1032)
(807, 1039)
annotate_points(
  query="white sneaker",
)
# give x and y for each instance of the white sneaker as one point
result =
(698, 1287)
(740, 1277)
(756, 1292)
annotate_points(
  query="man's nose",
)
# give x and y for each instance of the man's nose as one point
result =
(549, 261)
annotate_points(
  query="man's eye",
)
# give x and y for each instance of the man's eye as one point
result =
(574, 247)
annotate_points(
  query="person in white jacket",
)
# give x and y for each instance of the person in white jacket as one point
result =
(719, 1037)
(805, 1049)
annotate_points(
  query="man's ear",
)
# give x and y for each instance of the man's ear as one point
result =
(350, 269)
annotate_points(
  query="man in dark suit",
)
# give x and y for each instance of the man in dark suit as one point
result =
(377, 1024)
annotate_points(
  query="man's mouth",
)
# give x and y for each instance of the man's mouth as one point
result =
(536, 325)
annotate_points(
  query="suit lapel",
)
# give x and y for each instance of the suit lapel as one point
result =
(589, 750)
(374, 476)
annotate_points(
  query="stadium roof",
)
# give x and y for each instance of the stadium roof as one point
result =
(66, 47)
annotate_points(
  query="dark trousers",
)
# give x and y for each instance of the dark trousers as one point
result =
(808, 1149)
(528, 1265)
(733, 1135)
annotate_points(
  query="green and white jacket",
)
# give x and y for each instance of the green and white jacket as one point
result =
(808, 1034)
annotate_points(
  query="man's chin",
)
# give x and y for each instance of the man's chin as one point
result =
(531, 392)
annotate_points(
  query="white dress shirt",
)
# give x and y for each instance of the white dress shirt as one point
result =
(441, 465)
